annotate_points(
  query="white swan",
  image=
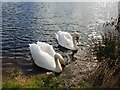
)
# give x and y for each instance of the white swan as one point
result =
(66, 40)
(45, 56)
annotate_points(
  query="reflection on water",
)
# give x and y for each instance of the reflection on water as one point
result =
(28, 22)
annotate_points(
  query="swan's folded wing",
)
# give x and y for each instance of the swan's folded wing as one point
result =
(41, 58)
(65, 39)
(50, 51)
(68, 36)
(46, 48)
(68, 42)
(41, 44)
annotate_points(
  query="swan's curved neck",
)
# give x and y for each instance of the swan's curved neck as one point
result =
(74, 42)
(58, 65)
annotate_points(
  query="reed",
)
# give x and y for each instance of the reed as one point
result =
(108, 47)
(107, 51)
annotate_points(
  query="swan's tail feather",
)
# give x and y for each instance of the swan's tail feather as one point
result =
(30, 45)
(43, 44)
(34, 48)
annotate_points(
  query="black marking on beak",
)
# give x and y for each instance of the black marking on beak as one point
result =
(77, 39)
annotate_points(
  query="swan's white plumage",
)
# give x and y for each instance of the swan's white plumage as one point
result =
(46, 48)
(43, 55)
(65, 40)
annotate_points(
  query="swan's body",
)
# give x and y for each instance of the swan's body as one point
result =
(66, 40)
(45, 56)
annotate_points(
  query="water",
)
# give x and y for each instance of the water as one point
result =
(28, 22)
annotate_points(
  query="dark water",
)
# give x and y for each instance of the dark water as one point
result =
(28, 22)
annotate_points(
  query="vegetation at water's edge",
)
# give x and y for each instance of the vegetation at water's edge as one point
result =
(107, 51)
(109, 47)
(39, 81)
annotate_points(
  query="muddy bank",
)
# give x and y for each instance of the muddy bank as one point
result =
(79, 69)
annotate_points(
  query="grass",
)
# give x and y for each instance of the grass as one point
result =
(84, 84)
(40, 81)
(37, 81)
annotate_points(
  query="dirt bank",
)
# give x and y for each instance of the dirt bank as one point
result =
(79, 69)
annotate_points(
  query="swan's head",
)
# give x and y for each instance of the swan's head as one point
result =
(61, 59)
(76, 35)
(59, 62)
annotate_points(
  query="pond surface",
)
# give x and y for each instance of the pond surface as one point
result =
(27, 22)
